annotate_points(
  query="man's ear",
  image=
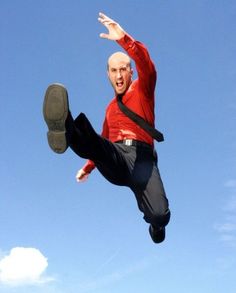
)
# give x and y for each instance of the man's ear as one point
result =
(132, 72)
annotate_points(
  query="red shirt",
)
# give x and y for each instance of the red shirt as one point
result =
(139, 98)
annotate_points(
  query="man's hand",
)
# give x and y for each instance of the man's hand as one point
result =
(81, 176)
(115, 31)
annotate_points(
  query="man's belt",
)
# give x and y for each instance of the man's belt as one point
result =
(133, 142)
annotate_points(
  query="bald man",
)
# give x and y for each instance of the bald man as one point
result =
(124, 153)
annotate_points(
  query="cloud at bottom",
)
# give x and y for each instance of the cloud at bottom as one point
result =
(23, 266)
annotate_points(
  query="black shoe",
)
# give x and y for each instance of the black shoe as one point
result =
(157, 235)
(55, 111)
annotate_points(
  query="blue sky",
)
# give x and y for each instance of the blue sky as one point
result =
(91, 237)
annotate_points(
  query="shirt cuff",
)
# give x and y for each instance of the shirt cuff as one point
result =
(126, 42)
(89, 166)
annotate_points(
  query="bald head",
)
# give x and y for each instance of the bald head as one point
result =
(118, 59)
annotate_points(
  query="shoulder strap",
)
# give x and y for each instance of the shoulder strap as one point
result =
(157, 135)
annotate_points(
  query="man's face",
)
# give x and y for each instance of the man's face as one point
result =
(120, 75)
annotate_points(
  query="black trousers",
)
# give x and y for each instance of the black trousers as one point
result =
(131, 166)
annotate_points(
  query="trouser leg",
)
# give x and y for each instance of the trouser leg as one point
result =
(150, 194)
(154, 201)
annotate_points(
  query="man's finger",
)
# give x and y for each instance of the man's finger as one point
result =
(104, 36)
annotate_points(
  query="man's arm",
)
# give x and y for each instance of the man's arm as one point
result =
(136, 51)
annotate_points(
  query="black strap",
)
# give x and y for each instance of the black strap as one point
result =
(157, 135)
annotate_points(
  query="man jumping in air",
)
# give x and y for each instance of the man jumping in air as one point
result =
(124, 153)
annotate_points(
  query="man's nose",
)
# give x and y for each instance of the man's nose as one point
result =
(118, 74)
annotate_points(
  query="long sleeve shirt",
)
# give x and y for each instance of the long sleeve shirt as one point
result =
(139, 98)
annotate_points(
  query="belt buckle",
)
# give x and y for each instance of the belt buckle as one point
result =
(128, 142)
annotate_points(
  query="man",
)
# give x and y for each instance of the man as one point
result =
(124, 152)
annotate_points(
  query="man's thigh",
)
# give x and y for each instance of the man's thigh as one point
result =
(112, 162)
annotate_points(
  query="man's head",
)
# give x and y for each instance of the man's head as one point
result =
(119, 72)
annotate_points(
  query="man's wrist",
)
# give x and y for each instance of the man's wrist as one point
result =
(126, 42)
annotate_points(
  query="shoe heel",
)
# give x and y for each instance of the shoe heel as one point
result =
(57, 141)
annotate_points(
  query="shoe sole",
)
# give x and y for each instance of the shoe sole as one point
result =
(55, 112)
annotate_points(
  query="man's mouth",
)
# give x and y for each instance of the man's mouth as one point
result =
(119, 84)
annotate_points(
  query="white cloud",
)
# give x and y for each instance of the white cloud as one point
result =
(23, 266)
(230, 183)
(227, 229)
(230, 206)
